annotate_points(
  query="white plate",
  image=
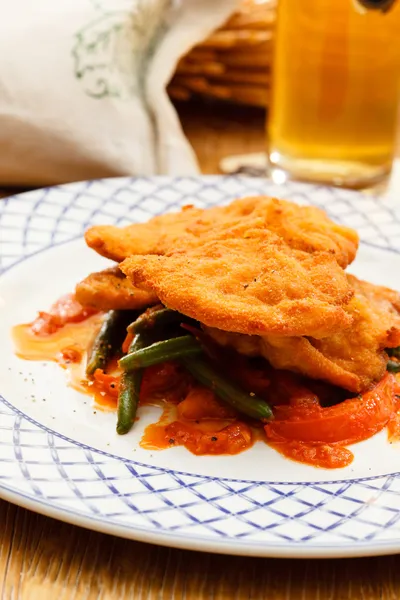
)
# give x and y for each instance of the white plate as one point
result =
(60, 458)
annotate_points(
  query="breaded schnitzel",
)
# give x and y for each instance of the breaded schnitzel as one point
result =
(249, 280)
(262, 275)
(304, 228)
(110, 289)
(353, 358)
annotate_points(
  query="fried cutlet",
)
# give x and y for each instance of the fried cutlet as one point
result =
(353, 358)
(249, 280)
(110, 289)
(304, 228)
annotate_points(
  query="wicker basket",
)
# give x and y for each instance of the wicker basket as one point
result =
(234, 62)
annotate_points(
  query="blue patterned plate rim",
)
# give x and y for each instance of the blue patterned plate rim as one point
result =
(202, 543)
(225, 543)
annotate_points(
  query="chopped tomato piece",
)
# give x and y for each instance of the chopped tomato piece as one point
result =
(45, 324)
(202, 403)
(351, 421)
(69, 310)
(71, 354)
(109, 384)
(66, 310)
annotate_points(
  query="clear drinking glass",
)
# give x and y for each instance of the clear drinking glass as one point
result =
(335, 94)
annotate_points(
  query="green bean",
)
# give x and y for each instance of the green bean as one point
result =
(105, 343)
(393, 366)
(248, 404)
(158, 316)
(129, 391)
(158, 352)
(153, 316)
(395, 352)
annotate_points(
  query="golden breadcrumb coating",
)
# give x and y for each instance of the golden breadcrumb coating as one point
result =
(110, 289)
(303, 227)
(247, 279)
(353, 358)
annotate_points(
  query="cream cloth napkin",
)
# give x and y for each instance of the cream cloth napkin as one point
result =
(82, 86)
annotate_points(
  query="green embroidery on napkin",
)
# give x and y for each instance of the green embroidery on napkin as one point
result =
(111, 52)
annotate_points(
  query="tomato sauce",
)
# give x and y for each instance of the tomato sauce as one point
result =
(104, 387)
(200, 423)
(302, 429)
(67, 346)
(326, 456)
(219, 438)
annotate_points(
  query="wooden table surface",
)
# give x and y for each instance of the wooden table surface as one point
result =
(41, 558)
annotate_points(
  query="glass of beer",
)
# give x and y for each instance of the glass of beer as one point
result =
(335, 95)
